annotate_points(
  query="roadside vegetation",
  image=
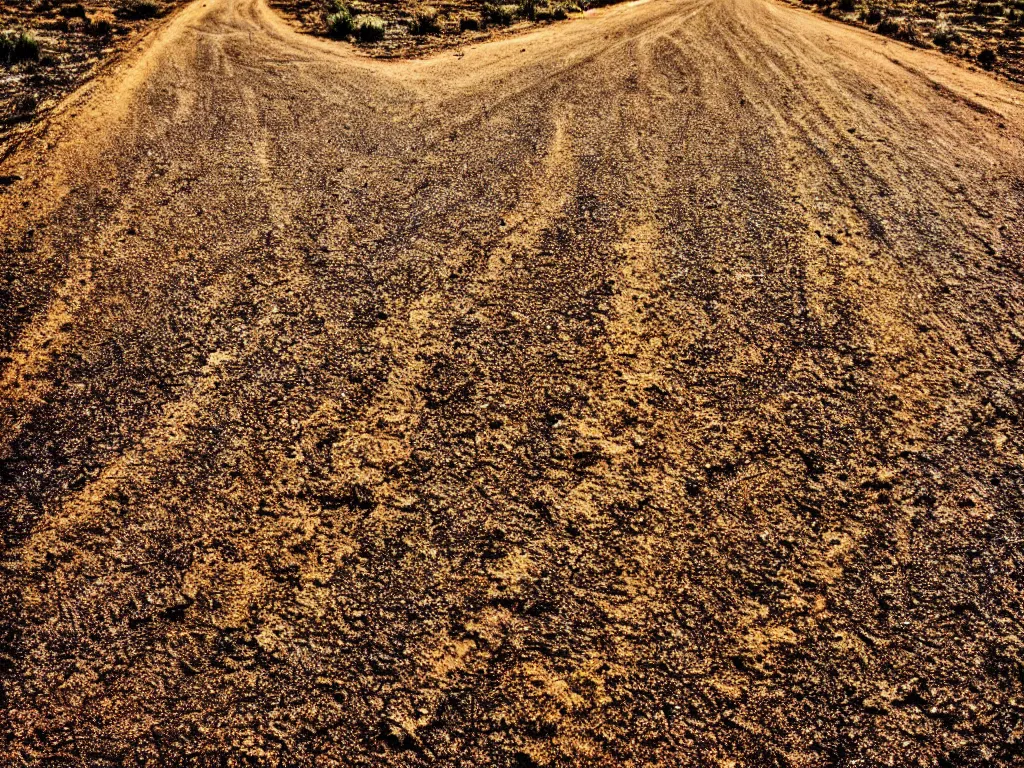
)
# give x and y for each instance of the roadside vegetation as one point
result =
(48, 47)
(989, 34)
(370, 29)
(138, 9)
(398, 29)
(18, 46)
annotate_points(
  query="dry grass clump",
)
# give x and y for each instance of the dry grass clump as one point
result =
(500, 15)
(369, 29)
(945, 34)
(900, 28)
(557, 12)
(987, 58)
(342, 22)
(424, 21)
(137, 9)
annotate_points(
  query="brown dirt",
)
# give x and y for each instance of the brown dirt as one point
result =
(967, 29)
(72, 46)
(642, 391)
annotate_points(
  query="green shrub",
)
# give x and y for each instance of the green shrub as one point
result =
(987, 58)
(340, 23)
(369, 29)
(873, 15)
(137, 9)
(469, 23)
(424, 21)
(18, 46)
(489, 12)
(543, 13)
(502, 15)
(847, 6)
(527, 9)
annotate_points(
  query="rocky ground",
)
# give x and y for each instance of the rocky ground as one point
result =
(642, 391)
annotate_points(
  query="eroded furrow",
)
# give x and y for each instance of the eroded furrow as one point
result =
(641, 391)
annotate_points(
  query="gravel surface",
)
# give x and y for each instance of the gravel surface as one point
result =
(641, 391)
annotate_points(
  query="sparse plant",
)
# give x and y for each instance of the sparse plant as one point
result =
(501, 15)
(945, 34)
(888, 26)
(987, 58)
(873, 14)
(137, 9)
(340, 23)
(908, 32)
(469, 23)
(18, 46)
(369, 29)
(899, 28)
(100, 28)
(424, 21)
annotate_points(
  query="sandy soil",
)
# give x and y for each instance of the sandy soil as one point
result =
(989, 34)
(76, 40)
(643, 391)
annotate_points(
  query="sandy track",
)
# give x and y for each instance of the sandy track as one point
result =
(645, 390)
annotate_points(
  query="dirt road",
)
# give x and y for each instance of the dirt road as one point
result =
(642, 391)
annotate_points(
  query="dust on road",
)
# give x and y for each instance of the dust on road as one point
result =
(642, 391)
